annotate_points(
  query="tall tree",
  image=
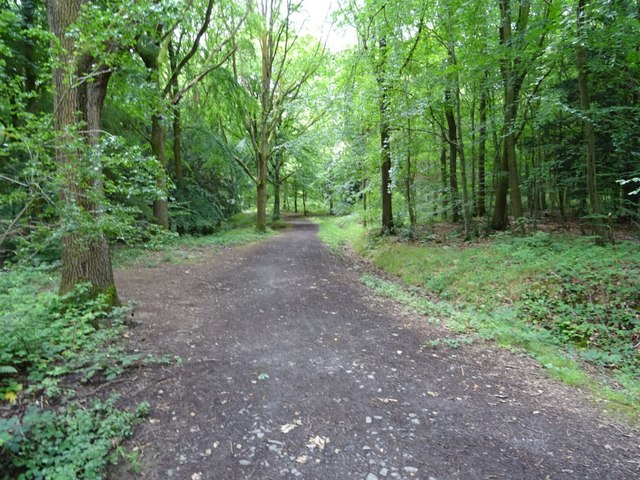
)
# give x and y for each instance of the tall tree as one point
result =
(587, 124)
(80, 86)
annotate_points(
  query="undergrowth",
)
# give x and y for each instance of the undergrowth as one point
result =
(572, 305)
(49, 344)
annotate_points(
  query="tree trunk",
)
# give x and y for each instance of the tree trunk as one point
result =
(509, 180)
(453, 155)
(482, 153)
(266, 47)
(29, 50)
(587, 125)
(443, 175)
(177, 118)
(304, 202)
(85, 252)
(385, 145)
(276, 196)
(177, 144)
(160, 205)
(460, 144)
(408, 180)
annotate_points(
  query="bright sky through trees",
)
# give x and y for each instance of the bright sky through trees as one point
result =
(317, 17)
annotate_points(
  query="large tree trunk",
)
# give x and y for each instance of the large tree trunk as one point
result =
(85, 252)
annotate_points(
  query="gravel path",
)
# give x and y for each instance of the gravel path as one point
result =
(293, 369)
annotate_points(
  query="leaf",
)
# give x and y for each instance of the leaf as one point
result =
(11, 397)
(318, 442)
(287, 427)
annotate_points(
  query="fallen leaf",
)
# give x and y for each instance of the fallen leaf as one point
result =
(302, 459)
(287, 427)
(318, 442)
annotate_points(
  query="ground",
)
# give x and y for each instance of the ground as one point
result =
(293, 369)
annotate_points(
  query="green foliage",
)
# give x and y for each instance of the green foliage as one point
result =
(74, 442)
(46, 336)
(199, 210)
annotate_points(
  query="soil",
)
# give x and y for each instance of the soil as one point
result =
(293, 369)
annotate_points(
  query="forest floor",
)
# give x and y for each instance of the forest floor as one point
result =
(294, 369)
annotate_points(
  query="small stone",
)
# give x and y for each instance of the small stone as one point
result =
(371, 476)
(182, 458)
(415, 421)
(244, 463)
(368, 419)
(411, 469)
(383, 472)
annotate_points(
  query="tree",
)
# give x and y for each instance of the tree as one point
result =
(587, 124)
(282, 76)
(80, 86)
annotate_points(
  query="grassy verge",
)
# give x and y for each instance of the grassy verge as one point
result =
(570, 304)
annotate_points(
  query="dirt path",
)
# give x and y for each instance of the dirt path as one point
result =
(293, 369)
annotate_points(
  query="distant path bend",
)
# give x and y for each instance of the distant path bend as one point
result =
(293, 369)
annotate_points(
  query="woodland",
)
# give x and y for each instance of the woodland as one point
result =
(449, 137)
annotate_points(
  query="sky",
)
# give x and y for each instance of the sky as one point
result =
(317, 22)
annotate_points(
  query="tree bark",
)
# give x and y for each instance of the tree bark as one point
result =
(482, 153)
(85, 254)
(275, 215)
(443, 174)
(452, 140)
(385, 146)
(160, 205)
(264, 146)
(512, 78)
(408, 180)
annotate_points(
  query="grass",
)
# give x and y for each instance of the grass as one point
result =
(176, 249)
(568, 303)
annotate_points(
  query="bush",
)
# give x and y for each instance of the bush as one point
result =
(75, 442)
